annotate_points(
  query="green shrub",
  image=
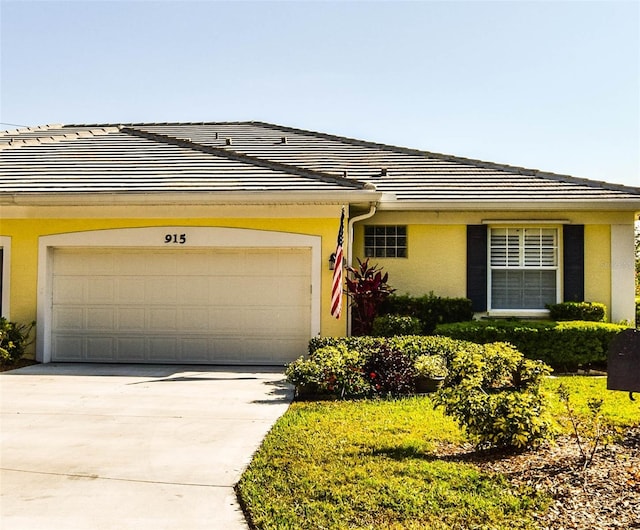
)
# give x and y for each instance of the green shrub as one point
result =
(333, 370)
(495, 394)
(431, 310)
(411, 345)
(587, 311)
(562, 345)
(14, 339)
(390, 325)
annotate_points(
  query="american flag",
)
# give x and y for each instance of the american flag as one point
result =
(336, 285)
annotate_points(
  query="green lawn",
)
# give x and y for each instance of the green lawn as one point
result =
(381, 464)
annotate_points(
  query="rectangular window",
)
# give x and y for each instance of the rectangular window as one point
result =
(524, 267)
(385, 241)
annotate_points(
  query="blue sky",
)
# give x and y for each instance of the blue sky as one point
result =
(552, 85)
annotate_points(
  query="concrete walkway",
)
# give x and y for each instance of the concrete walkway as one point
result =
(92, 447)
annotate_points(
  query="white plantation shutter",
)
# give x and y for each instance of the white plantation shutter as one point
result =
(524, 267)
(540, 247)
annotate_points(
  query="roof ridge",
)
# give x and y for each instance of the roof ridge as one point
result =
(247, 159)
(453, 158)
(15, 143)
(20, 130)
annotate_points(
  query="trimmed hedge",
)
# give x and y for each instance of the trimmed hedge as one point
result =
(562, 345)
(391, 325)
(588, 311)
(431, 310)
(411, 345)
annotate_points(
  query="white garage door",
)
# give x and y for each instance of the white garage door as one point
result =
(236, 306)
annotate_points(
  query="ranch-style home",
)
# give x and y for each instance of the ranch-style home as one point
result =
(211, 242)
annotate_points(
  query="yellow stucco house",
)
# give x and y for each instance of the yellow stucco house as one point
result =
(210, 242)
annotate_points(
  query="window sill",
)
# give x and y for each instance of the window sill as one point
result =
(518, 313)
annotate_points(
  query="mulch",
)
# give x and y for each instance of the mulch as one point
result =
(20, 363)
(604, 495)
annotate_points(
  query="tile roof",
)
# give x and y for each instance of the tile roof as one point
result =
(256, 156)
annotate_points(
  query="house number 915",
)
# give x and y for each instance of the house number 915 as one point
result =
(176, 239)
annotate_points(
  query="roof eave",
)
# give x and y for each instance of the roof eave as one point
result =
(188, 198)
(629, 205)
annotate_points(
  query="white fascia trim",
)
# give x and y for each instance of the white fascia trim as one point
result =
(154, 238)
(512, 205)
(5, 244)
(256, 197)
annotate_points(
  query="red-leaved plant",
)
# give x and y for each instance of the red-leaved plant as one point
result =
(367, 288)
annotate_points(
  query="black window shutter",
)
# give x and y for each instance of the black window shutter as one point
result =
(477, 266)
(573, 269)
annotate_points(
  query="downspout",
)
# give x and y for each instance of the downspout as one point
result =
(352, 221)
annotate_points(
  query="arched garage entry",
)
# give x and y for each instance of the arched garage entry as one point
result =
(178, 295)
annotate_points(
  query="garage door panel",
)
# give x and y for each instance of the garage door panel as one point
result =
(100, 263)
(101, 290)
(161, 264)
(226, 320)
(194, 265)
(69, 347)
(193, 290)
(261, 263)
(130, 349)
(232, 291)
(68, 318)
(100, 348)
(131, 290)
(211, 305)
(161, 320)
(161, 290)
(132, 318)
(100, 318)
(224, 263)
(287, 320)
(132, 264)
(194, 319)
(69, 290)
(195, 349)
(296, 263)
(163, 349)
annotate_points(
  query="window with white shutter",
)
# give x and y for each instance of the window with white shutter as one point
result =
(524, 268)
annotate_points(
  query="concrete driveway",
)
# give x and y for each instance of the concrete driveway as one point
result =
(131, 446)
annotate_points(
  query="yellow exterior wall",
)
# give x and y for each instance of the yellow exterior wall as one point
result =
(436, 253)
(437, 248)
(597, 264)
(24, 235)
(436, 260)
